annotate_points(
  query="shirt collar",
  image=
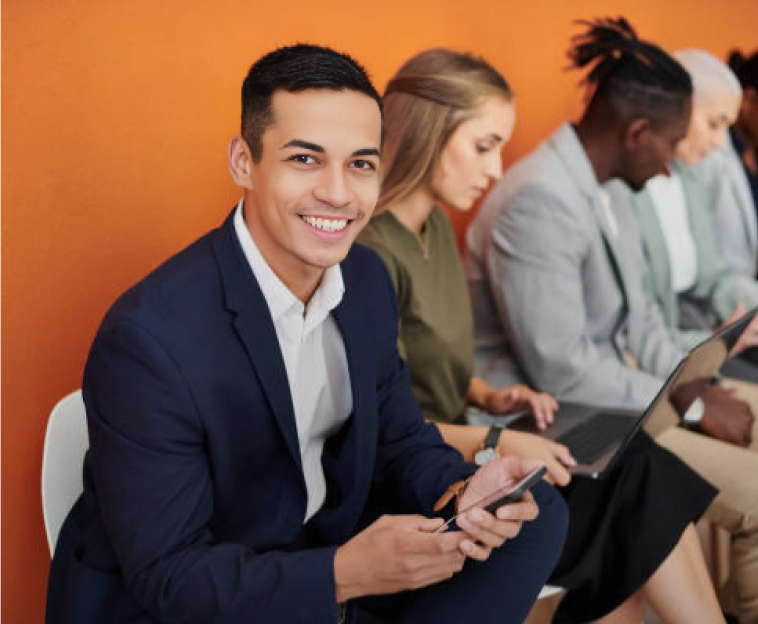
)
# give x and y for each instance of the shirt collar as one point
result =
(278, 297)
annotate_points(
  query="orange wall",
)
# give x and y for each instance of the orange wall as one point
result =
(116, 119)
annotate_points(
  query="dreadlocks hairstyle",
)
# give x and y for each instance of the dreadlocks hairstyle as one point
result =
(293, 69)
(746, 68)
(424, 103)
(637, 75)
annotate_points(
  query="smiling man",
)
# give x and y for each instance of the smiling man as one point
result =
(247, 406)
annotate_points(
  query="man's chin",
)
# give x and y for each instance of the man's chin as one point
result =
(328, 259)
(635, 185)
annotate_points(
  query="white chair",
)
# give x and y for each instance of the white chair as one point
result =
(66, 442)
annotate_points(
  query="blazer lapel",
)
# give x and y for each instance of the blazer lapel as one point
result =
(349, 455)
(739, 186)
(360, 449)
(574, 158)
(744, 200)
(650, 227)
(362, 383)
(255, 328)
(611, 240)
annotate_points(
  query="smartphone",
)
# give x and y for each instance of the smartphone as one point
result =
(503, 496)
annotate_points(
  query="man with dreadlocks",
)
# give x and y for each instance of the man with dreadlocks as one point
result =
(554, 270)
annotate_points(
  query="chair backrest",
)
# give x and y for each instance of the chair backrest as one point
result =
(66, 442)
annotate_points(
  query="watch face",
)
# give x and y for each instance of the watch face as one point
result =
(484, 456)
(695, 412)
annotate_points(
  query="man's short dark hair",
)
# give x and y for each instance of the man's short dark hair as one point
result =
(292, 69)
(638, 76)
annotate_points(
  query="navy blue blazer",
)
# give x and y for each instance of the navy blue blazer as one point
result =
(194, 494)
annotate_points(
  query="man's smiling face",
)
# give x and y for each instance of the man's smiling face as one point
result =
(317, 181)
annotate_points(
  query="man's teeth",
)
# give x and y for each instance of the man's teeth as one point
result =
(328, 225)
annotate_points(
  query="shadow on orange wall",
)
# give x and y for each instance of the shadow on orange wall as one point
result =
(116, 121)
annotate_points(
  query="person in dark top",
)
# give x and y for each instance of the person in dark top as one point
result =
(745, 131)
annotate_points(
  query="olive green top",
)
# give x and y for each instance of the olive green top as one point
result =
(436, 326)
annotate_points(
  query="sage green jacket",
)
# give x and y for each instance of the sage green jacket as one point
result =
(716, 281)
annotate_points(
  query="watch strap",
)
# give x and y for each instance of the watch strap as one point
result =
(492, 438)
(448, 503)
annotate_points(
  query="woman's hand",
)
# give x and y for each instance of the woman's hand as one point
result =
(521, 397)
(555, 456)
(487, 531)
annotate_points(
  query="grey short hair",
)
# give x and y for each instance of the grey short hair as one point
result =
(711, 77)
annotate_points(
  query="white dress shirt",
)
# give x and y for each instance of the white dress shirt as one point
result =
(610, 218)
(314, 356)
(670, 203)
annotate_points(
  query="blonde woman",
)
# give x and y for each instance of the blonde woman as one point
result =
(447, 116)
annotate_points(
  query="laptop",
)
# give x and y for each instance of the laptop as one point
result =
(597, 436)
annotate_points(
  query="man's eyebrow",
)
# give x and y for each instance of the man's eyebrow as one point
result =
(496, 136)
(305, 145)
(369, 151)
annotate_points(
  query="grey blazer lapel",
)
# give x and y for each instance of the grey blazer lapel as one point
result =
(654, 244)
(744, 200)
(571, 153)
(612, 241)
(707, 255)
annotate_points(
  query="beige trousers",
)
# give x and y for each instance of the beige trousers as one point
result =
(734, 471)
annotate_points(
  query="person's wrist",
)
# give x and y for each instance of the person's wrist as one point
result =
(490, 400)
(479, 397)
(346, 585)
(452, 495)
(490, 448)
(694, 414)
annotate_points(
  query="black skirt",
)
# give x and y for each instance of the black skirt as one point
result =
(623, 526)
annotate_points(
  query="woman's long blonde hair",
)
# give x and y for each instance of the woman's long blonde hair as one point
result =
(429, 97)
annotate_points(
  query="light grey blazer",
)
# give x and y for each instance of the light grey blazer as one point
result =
(718, 283)
(732, 205)
(557, 296)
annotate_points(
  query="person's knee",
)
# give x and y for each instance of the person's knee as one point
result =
(541, 540)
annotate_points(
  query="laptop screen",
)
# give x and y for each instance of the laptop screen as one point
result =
(695, 371)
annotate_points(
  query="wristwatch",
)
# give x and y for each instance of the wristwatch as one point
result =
(694, 413)
(489, 451)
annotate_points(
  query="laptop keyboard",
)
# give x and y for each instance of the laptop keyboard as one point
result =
(590, 440)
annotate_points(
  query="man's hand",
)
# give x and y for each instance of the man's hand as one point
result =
(520, 397)
(726, 417)
(397, 553)
(487, 531)
(555, 456)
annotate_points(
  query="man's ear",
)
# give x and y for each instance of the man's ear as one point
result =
(636, 132)
(240, 162)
